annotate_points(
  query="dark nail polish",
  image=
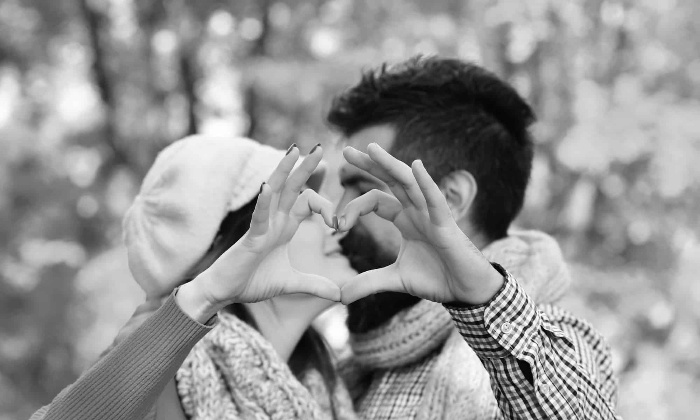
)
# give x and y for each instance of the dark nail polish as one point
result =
(335, 223)
(291, 147)
(314, 149)
(261, 187)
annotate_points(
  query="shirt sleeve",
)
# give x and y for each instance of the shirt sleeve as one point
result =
(126, 382)
(543, 362)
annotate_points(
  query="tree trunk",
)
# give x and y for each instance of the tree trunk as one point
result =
(251, 97)
(95, 22)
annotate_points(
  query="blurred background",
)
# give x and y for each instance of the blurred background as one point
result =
(91, 90)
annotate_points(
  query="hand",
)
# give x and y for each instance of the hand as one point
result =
(436, 261)
(257, 267)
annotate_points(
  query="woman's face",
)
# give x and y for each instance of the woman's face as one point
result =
(315, 250)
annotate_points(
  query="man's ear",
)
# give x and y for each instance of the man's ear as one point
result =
(459, 188)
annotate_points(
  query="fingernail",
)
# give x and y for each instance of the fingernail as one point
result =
(341, 223)
(314, 149)
(291, 147)
(261, 187)
(335, 223)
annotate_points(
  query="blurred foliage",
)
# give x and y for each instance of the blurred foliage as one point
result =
(90, 90)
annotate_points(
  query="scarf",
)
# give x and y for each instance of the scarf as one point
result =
(234, 373)
(532, 257)
(416, 333)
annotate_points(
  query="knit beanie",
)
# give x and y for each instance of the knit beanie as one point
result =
(192, 185)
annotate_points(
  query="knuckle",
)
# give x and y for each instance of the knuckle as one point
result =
(374, 193)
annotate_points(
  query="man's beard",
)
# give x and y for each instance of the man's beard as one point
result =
(370, 312)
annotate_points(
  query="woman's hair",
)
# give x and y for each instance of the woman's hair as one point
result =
(311, 351)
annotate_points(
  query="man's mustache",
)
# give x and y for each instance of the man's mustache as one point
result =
(363, 252)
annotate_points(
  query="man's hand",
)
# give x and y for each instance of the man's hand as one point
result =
(257, 267)
(436, 260)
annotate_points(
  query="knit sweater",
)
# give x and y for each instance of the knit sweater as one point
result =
(125, 383)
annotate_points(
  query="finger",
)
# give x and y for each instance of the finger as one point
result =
(438, 209)
(310, 202)
(312, 285)
(261, 214)
(363, 161)
(370, 282)
(281, 173)
(382, 204)
(399, 172)
(298, 178)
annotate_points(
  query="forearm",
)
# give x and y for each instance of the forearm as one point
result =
(127, 381)
(537, 370)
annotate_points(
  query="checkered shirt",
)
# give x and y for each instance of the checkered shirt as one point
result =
(543, 362)
(397, 393)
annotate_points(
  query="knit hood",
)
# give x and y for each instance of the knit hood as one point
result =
(533, 258)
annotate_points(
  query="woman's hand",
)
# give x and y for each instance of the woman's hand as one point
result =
(257, 267)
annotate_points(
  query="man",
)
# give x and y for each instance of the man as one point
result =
(470, 130)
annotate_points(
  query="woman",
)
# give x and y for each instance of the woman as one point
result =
(191, 220)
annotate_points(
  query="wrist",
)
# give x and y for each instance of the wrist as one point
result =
(491, 281)
(194, 302)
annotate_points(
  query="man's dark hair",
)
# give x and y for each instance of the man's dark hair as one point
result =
(452, 115)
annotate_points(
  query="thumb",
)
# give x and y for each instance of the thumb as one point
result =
(313, 285)
(385, 279)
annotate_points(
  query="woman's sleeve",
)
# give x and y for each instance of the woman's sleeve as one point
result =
(127, 381)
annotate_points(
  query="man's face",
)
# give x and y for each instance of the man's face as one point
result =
(373, 242)
(356, 182)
